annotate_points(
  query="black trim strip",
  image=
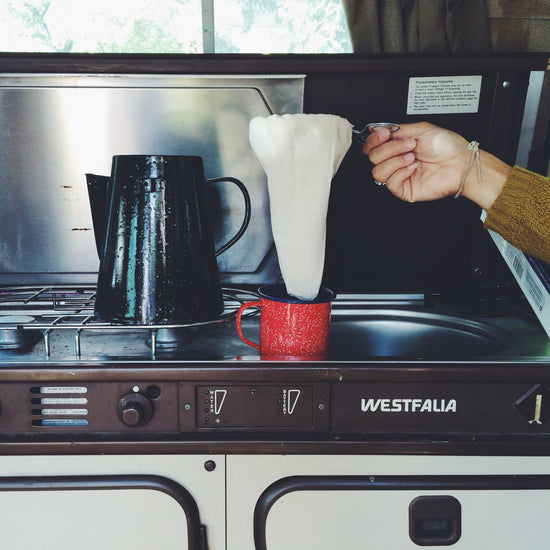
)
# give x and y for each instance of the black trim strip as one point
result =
(196, 533)
(291, 484)
(261, 64)
(528, 445)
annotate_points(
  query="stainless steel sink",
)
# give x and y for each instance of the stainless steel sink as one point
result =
(412, 335)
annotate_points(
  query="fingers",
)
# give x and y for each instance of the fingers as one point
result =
(381, 135)
(394, 156)
(378, 136)
(385, 170)
(400, 185)
(391, 156)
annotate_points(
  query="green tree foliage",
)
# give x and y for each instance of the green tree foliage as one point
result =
(81, 26)
(306, 26)
(33, 15)
(174, 26)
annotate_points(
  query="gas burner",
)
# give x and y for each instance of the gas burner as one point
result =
(33, 313)
(169, 338)
(16, 337)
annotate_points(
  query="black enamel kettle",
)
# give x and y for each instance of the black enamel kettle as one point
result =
(157, 258)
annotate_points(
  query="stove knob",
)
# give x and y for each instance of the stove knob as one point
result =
(134, 409)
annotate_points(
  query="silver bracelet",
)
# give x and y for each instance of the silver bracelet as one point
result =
(474, 147)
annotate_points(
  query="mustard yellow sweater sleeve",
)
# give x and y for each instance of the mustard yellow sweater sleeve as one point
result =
(521, 213)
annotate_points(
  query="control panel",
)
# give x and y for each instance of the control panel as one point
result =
(53, 407)
(170, 407)
(284, 406)
(175, 407)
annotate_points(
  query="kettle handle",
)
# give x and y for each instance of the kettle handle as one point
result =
(246, 220)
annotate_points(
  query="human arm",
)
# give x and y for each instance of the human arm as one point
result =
(521, 213)
(423, 162)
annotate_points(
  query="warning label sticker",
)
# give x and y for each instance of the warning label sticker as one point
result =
(443, 94)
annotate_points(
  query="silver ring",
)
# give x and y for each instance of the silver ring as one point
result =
(381, 183)
(389, 125)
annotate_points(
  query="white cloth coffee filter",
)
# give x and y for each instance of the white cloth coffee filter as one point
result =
(300, 155)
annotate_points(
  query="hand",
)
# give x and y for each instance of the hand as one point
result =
(419, 162)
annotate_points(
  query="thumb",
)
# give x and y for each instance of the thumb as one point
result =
(414, 130)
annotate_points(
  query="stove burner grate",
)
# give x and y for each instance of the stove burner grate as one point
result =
(16, 337)
(28, 313)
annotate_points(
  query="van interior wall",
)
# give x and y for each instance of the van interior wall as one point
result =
(380, 243)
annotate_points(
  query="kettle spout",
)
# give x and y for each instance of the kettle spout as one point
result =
(99, 192)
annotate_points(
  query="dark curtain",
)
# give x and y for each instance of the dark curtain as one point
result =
(411, 26)
(519, 26)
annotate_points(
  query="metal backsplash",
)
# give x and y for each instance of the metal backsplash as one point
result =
(56, 128)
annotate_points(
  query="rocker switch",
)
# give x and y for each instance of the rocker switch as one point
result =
(534, 405)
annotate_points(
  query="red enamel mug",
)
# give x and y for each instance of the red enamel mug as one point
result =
(290, 327)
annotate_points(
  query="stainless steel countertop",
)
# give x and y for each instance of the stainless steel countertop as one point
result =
(363, 329)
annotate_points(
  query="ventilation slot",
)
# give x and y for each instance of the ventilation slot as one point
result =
(54, 406)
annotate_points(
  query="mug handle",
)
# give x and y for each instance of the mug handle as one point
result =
(246, 305)
(246, 220)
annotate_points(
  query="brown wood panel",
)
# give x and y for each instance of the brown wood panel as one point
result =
(258, 64)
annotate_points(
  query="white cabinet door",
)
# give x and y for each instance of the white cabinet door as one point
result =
(397, 502)
(131, 502)
(136, 519)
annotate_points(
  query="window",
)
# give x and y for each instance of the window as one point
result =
(173, 26)
(267, 26)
